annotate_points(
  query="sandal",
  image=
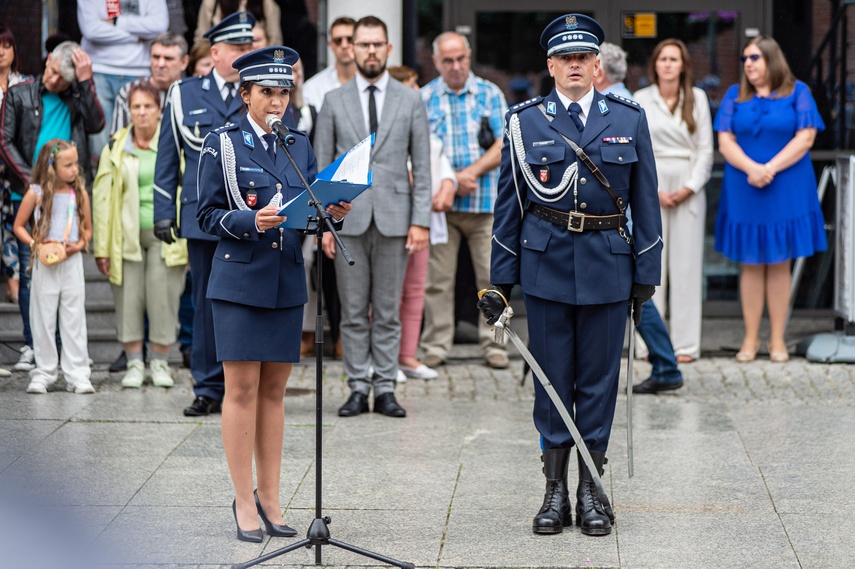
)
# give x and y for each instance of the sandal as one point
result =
(685, 359)
(777, 357)
(745, 356)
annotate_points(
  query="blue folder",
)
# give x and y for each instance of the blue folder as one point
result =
(330, 187)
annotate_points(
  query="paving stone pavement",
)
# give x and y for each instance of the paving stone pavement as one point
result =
(747, 466)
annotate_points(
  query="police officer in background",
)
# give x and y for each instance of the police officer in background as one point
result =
(560, 232)
(194, 107)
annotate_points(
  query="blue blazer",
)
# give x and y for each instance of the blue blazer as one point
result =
(550, 262)
(193, 108)
(263, 269)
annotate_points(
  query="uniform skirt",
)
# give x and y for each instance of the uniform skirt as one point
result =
(250, 333)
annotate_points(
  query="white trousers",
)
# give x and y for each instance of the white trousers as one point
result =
(682, 259)
(59, 292)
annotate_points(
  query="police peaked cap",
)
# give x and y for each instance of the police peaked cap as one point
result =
(269, 66)
(572, 33)
(234, 28)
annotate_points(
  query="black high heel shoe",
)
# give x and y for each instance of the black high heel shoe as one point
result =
(252, 536)
(271, 528)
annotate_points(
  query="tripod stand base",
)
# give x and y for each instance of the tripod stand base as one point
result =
(318, 536)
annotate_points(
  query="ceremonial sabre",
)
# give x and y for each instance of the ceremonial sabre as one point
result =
(501, 329)
(630, 358)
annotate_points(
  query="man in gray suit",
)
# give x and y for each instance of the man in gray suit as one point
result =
(388, 222)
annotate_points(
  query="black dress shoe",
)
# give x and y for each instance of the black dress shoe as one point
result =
(202, 406)
(272, 529)
(388, 405)
(185, 357)
(252, 536)
(357, 403)
(652, 386)
(120, 363)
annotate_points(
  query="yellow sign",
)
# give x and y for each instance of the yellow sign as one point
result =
(639, 25)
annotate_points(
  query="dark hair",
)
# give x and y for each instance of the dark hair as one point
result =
(781, 80)
(342, 21)
(7, 37)
(371, 22)
(144, 86)
(170, 39)
(403, 73)
(686, 80)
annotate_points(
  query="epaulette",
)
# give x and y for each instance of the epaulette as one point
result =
(188, 80)
(624, 100)
(224, 128)
(520, 106)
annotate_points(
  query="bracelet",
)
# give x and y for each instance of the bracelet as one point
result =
(768, 166)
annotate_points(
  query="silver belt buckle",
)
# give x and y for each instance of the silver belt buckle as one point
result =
(576, 215)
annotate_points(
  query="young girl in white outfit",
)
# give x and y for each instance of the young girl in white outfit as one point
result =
(58, 203)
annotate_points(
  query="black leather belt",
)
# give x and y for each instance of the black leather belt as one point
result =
(577, 221)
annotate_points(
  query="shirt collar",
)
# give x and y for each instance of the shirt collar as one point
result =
(381, 84)
(259, 132)
(585, 102)
(218, 79)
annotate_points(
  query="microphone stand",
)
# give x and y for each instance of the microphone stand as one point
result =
(318, 534)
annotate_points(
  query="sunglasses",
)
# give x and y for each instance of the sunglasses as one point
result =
(753, 57)
(340, 39)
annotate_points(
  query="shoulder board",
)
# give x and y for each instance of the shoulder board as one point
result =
(525, 104)
(224, 128)
(624, 100)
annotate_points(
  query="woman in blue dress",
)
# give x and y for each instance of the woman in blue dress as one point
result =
(257, 283)
(769, 212)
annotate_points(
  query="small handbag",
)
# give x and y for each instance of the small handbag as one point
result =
(53, 252)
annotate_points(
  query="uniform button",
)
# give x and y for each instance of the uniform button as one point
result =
(583, 205)
(525, 241)
(227, 256)
(246, 235)
(275, 245)
(278, 186)
(620, 158)
(543, 159)
(583, 181)
(251, 183)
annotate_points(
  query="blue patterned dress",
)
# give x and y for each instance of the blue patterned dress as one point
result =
(783, 220)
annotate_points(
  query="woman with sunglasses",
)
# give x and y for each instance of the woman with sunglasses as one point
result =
(769, 212)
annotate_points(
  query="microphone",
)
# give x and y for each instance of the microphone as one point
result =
(275, 124)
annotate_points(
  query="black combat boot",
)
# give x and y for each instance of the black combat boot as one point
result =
(555, 513)
(591, 515)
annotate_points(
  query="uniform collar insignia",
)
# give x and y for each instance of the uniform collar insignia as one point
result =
(603, 108)
(551, 108)
(247, 139)
(206, 83)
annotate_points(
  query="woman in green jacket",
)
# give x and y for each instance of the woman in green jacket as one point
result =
(147, 275)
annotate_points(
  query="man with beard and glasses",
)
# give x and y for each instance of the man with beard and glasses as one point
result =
(388, 222)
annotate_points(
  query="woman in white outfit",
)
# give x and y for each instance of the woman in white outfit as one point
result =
(681, 131)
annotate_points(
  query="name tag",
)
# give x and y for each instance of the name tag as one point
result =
(197, 112)
(543, 143)
(245, 169)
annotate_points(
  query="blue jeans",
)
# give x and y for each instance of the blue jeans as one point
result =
(24, 287)
(661, 352)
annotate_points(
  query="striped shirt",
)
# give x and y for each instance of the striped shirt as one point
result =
(456, 119)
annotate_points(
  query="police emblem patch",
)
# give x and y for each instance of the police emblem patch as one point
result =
(206, 84)
(570, 22)
(247, 139)
(550, 108)
(279, 57)
(251, 198)
(603, 108)
(544, 174)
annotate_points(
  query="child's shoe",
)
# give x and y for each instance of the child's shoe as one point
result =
(135, 375)
(36, 386)
(160, 374)
(81, 387)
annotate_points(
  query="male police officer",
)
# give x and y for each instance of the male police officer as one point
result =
(195, 107)
(560, 232)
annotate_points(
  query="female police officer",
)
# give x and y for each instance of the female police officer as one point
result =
(257, 283)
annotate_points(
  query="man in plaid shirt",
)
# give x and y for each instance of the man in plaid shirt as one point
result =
(467, 113)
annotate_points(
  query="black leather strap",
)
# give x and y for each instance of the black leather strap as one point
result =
(575, 221)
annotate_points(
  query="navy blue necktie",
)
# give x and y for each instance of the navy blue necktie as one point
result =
(574, 109)
(372, 109)
(271, 146)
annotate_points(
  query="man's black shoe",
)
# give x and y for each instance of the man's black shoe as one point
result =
(356, 404)
(202, 406)
(185, 357)
(120, 363)
(388, 405)
(652, 386)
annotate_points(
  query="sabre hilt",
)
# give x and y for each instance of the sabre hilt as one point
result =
(499, 326)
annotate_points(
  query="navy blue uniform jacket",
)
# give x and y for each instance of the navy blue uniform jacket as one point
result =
(194, 107)
(252, 268)
(550, 262)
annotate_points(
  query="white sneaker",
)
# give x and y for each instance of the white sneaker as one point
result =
(36, 387)
(401, 377)
(83, 387)
(135, 375)
(421, 372)
(5, 372)
(27, 361)
(160, 374)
